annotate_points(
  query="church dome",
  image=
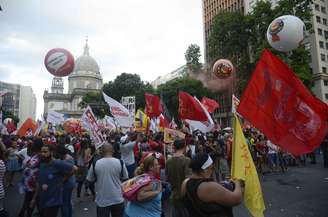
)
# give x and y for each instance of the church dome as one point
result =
(85, 63)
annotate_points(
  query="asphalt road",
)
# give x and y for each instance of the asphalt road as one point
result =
(301, 192)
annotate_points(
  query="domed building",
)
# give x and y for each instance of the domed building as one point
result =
(85, 78)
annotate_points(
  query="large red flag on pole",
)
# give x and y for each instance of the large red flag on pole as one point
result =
(153, 105)
(210, 104)
(277, 103)
(190, 109)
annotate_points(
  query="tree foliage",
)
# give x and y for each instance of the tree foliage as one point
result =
(192, 56)
(243, 38)
(123, 85)
(128, 85)
(170, 90)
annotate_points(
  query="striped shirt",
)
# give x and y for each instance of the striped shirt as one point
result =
(2, 174)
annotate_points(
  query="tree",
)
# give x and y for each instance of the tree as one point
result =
(238, 37)
(260, 19)
(228, 40)
(128, 85)
(169, 92)
(192, 56)
(97, 103)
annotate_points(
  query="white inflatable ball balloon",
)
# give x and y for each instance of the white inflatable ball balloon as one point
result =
(286, 33)
(59, 62)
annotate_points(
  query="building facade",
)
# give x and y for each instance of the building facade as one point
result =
(179, 72)
(319, 49)
(211, 8)
(20, 101)
(85, 78)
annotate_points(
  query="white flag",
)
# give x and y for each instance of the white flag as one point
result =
(203, 126)
(55, 117)
(119, 112)
(90, 122)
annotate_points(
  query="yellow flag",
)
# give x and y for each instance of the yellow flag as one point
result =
(170, 135)
(141, 121)
(242, 167)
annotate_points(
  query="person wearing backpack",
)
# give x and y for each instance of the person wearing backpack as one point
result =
(107, 174)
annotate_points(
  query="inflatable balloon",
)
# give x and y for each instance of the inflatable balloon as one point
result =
(286, 33)
(223, 68)
(59, 62)
(72, 126)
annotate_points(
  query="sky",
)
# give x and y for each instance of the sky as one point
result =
(146, 37)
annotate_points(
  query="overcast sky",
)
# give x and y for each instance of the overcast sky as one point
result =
(147, 37)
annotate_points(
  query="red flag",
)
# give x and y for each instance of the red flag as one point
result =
(277, 103)
(163, 122)
(190, 109)
(27, 129)
(153, 105)
(210, 104)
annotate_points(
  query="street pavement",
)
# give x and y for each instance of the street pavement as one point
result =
(300, 192)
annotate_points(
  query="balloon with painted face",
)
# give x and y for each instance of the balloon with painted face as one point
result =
(59, 62)
(286, 33)
(223, 68)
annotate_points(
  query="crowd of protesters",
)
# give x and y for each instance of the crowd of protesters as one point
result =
(190, 174)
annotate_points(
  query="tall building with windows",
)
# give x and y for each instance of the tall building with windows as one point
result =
(19, 100)
(319, 49)
(85, 77)
(211, 8)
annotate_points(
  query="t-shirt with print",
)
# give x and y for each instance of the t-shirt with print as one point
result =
(51, 182)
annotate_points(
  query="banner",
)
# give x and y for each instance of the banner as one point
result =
(55, 118)
(119, 112)
(242, 167)
(277, 103)
(90, 123)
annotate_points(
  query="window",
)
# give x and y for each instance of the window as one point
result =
(323, 57)
(326, 95)
(327, 45)
(318, 19)
(317, 7)
(321, 44)
(319, 31)
(324, 70)
(324, 21)
(326, 34)
(323, 9)
(325, 83)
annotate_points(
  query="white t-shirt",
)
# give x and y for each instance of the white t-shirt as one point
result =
(127, 153)
(108, 185)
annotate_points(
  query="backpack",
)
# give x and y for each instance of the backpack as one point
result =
(132, 186)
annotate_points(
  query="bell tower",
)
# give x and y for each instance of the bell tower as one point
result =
(57, 85)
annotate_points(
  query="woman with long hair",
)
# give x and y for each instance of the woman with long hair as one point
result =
(83, 158)
(205, 197)
(148, 203)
